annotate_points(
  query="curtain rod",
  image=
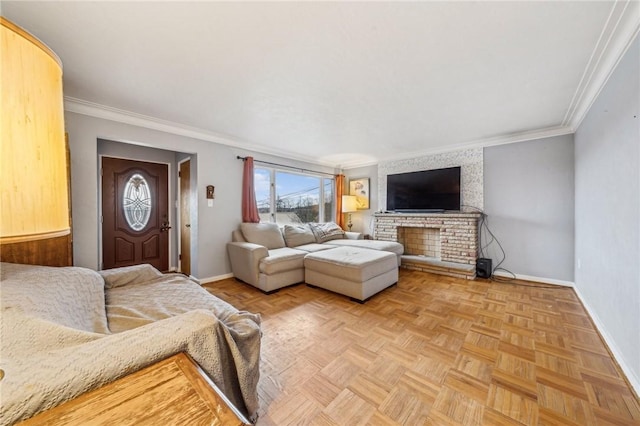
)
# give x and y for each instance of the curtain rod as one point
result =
(284, 165)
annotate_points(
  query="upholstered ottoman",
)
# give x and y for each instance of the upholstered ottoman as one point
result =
(352, 271)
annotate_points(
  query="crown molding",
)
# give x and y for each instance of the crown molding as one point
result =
(91, 109)
(618, 33)
(356, 164)
(80, 106)
(483, 143)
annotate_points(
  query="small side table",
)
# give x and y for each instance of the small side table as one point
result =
(174, 391)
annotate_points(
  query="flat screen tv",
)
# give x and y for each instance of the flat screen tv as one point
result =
(424, 191)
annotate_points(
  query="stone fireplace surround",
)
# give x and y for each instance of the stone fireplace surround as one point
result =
(442, 243)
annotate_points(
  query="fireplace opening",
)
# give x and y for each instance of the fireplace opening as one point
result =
(420, 241)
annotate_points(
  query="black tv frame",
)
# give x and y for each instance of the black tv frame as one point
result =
(425, 191)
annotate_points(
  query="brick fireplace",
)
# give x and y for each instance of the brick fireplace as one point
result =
(443, 243)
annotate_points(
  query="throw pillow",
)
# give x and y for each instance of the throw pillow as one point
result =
(297, 235)
(264, 234)
(326, 231)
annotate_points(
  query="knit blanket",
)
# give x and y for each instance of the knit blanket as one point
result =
(65, 331)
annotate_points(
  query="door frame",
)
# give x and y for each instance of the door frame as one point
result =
(170, 199)
(179, 223)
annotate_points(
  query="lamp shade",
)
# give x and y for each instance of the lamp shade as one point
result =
(34, 198)
(349, 204)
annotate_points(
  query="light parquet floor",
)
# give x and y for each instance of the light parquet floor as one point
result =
(433, 350)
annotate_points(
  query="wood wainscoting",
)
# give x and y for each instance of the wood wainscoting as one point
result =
(49, 252)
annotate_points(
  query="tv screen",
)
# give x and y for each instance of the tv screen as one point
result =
(424, 191)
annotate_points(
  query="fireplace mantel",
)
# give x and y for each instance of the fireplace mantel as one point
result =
(458, 240)
(445, 214)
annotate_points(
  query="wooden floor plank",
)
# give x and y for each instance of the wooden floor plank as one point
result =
(433, 350)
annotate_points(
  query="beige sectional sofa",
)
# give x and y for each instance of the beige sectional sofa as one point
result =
(269, 257)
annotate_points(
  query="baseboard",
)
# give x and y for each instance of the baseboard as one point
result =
(633, 380)
(214, 279)
(535, 279)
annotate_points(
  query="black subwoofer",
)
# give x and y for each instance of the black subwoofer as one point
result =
(483, 268)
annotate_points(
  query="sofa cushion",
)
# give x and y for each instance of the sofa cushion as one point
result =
(69, 296)
(297, 235)
(237, 237)
(389, 246)
(326, 231)
(264, 234)
(282, 259)
(314, 247)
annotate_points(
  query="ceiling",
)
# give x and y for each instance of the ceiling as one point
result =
(333, 83)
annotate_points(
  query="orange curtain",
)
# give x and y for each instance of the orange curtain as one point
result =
(339, 193)
(249, 205)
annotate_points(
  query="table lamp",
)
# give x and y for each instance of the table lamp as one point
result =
(349, 205)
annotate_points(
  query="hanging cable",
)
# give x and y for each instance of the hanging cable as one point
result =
(484, 227)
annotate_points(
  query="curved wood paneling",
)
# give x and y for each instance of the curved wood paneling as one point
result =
(34, 177)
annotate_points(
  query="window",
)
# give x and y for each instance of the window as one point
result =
(262, 186)
(288, 198)
(136, 202)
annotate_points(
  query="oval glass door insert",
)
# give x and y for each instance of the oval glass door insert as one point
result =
(136, 202)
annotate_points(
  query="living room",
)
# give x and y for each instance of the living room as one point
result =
(562, 199)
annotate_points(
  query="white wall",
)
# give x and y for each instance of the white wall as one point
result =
(528, 198)
(216, 165)
(607, 217)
